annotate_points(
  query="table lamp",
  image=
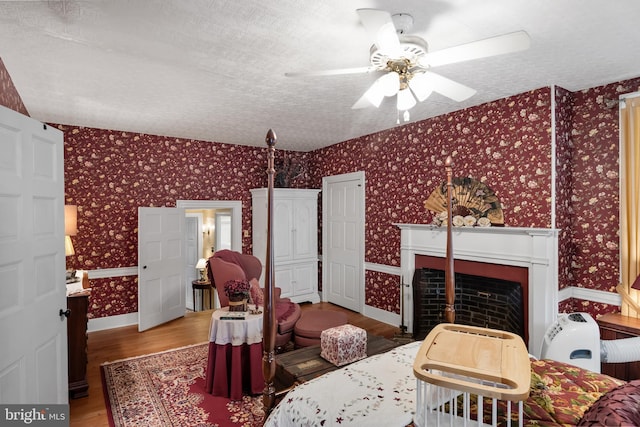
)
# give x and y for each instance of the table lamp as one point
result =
(201, 267)
(70, 229)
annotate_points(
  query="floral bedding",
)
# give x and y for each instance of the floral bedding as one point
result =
(381, 391)
(561, 393)
(376, 391)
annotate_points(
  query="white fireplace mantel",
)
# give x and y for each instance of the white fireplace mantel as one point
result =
(533, 248)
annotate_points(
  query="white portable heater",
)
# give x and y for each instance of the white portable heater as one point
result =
(575, 339)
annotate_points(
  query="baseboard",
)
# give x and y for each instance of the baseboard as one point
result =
(382, 315)
(110, 322)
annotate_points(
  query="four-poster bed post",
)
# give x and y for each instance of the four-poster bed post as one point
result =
(449, 278)
(269, 317)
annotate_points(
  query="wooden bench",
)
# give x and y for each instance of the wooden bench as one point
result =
(304, 364)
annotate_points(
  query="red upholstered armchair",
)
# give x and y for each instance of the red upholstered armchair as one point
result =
(227, 265)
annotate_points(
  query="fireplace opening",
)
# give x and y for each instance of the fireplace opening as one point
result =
(479, 301)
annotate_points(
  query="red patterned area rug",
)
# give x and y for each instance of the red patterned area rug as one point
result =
(167, 389)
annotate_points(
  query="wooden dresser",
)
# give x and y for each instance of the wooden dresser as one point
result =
(78, 305)
(617, 326)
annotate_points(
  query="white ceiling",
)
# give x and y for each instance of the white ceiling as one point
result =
(214, 70)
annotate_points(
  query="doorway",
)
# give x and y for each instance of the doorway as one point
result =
(211, 225)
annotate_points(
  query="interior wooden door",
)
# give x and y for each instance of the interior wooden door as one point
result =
(33, 328)
(161, 266)
(343, 241)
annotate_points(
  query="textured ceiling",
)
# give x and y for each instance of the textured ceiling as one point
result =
(214, 70)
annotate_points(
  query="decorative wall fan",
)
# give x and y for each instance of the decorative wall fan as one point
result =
(469, 197)
(406, 61)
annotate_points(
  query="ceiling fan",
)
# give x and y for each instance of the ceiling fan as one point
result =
(406, 61)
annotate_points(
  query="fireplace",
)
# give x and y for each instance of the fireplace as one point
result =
(533, 253)
(481, 299)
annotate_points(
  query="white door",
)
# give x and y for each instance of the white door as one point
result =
(343, 240)
(161, 264)
(33, 354)
(193, 237)
(223, 231)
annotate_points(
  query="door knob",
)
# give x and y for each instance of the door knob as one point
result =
(65, 313)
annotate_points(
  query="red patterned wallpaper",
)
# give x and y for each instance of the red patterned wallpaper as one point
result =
(109, 174)
(595, 201)
(506, 144)
(9, 96)
(564, 184)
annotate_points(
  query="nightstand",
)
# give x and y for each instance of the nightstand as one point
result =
(617, 326)
(78, 305)
(202, 286)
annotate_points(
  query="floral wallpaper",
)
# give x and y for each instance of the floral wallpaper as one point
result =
(382, 291)
(564, 184)
(9, 96)
(594, 198)
(109, 174)
(506, 144)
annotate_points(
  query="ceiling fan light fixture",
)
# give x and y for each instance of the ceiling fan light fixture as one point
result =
(421, 86)
(406, 101)
(390, 83)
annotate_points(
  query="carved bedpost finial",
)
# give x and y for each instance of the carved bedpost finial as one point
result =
(271, 138)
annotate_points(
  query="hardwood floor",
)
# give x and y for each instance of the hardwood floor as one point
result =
(193, 328)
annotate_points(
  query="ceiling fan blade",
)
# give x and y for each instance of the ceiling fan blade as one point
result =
(364, 102)
(336, 72)
(492, 46)
(444, 86)
(381, 30)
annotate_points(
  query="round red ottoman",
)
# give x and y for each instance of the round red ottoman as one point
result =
(311, 324)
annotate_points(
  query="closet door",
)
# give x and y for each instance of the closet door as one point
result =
(283, 230)
(304, 235)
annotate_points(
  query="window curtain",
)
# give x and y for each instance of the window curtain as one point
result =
(630, 205)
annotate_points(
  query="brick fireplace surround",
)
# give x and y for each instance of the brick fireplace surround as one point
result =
(533, 248)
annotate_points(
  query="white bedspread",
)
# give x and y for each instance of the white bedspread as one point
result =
(377, 391)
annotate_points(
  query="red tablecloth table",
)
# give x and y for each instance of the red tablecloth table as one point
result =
(235, 355)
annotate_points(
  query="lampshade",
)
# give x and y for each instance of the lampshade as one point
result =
(390, 83)
(636, 283)
(68, 246)
(70, 220)
(202, 265)
(405, 100)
